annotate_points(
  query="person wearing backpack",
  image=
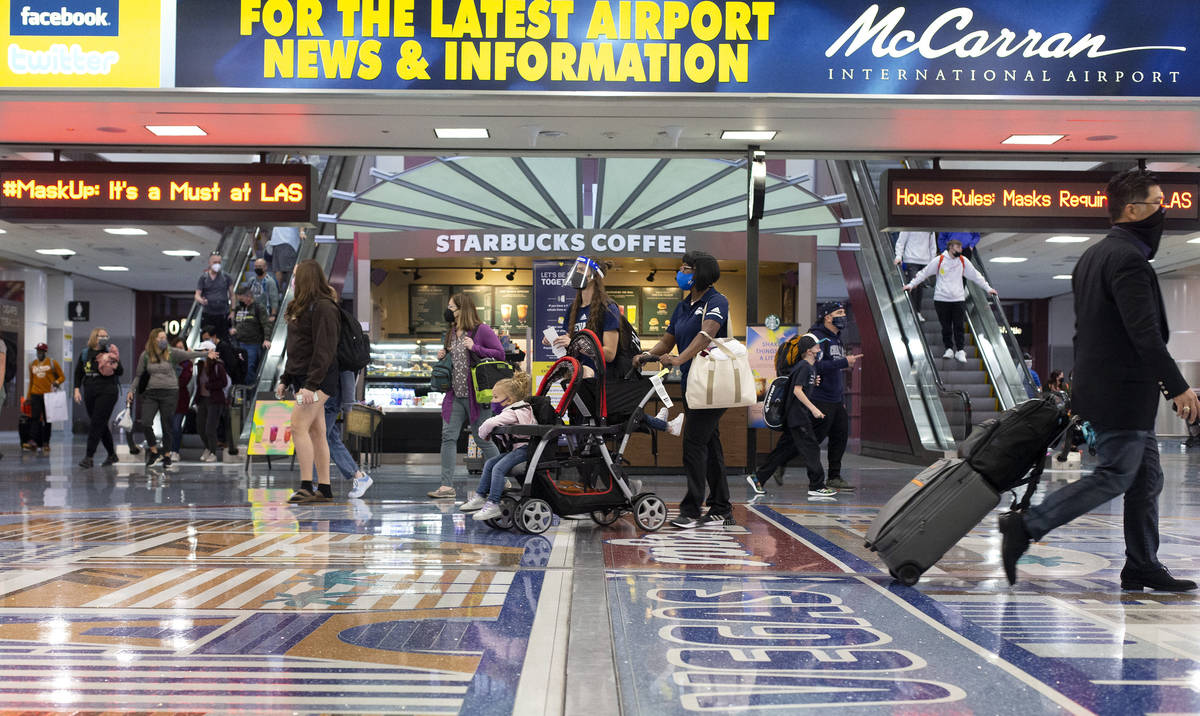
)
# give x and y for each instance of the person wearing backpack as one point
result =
(250, 329)
(914, 251)
(950, 295)
(467, 340)
(798, 437)
(594, 310)
(830, 392)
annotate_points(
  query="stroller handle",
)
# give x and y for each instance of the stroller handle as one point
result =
(637, 367)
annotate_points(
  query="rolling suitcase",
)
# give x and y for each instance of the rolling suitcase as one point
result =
(928, 516)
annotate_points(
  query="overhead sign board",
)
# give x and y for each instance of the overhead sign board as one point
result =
(81, 43)
(146, 193)
(1096, 48)
(1019, 200)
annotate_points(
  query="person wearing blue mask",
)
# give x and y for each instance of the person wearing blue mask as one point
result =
(700, 317)
(830, 391)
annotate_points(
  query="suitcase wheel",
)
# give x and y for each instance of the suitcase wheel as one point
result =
(907, 574)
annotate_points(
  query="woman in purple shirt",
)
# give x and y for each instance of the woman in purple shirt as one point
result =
(467, 340)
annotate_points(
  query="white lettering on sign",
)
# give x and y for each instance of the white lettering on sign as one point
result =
(978, 43)
(561, 242)
(60, 60)
(717, 548)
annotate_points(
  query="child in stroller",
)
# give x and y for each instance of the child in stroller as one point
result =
(579, 453)
(513, 394)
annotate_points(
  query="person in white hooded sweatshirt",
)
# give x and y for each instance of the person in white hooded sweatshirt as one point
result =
(914, 250)
(950, 295)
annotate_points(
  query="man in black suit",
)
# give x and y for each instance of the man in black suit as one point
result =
(1121, 366)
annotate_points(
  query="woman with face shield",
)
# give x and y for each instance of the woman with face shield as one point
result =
(593, 309)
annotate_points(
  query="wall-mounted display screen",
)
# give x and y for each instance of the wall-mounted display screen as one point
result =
(149, 193)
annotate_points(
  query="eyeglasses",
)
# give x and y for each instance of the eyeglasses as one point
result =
(1157, 202)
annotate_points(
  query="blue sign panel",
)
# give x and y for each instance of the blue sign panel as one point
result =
(67, 18)
(552, 299)
(924, 47)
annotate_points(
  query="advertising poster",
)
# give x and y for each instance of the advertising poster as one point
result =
(762, 343)
(1018, 47)
(551, 301)
(272, 432)
(81, 43)
(514, 306)
(658, 303)
(426, 304)
(482, 296)
(628, 300)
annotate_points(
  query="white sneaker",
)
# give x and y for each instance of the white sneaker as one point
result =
(208, 457)
(360, 486)
(663, 414)
(961, 356)
(476, 502)
(675, 427)
(949, 353)
(921, 317)
(175, 457)
(490, 510)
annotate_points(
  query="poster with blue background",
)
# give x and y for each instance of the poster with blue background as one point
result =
(551, 300)
(1084, 48)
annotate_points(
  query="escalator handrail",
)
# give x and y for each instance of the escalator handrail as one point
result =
(1010, 340)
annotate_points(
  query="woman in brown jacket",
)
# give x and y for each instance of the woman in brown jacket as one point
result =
(313, 321)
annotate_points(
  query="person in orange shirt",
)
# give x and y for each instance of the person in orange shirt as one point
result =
(45, 375)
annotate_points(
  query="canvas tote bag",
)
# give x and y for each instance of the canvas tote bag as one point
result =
(721, 377)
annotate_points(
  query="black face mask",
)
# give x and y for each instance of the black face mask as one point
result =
(41, 355)
(259, 271)
(839, 322)
(102, 345)
(448, 315)
(1148, 230)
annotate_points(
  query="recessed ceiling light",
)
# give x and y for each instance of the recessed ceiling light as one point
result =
(1033, 139)
(462, 133)
(113, 268)
(176, 130)
(1067, 239)
(408, 259)
(749, 135)
(181, 252)
(1008, 260)
(639, 259)
(497, 270)
(1063, 277)
(126, 232)
(56, 252)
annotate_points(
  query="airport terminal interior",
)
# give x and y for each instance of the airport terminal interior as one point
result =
(421, 159)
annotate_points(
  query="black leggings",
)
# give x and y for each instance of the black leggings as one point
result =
(208, 419)
(99, 409)
(39, 429)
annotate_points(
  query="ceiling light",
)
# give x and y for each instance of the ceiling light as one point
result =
(408, 259)
(1042, 139)
(639, 259)
(113, 268)
(512, 275)
(3, 231)
(176, 130)
(1063, 277)
(56, 252)
(1194, 241)
(181, 253)
(461, 133)
(126, 232)
(749, 135)
(479, 274)
(497, 270)
(1008, 260)
(1067, 239)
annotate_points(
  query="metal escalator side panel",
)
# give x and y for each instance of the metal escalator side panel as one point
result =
(1002, 368)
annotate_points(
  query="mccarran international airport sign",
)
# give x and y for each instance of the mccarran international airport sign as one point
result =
(1082, 48)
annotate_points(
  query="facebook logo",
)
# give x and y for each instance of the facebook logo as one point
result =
(67, 18)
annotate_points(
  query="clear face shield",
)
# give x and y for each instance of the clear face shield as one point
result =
(581, 274)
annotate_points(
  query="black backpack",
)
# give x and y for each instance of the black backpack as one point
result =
(1004, 449)
(353, 348)
(775, 402)
(787, 355)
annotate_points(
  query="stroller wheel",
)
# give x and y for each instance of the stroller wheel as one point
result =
(533, 516)
(505, 521)
(649, 512)
(605, 517)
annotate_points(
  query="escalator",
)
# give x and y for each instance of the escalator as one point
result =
(937, 400)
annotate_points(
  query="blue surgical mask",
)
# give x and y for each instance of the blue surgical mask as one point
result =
(685, 281)
(839, 322)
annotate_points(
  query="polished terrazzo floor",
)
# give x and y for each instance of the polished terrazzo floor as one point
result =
(197, 590)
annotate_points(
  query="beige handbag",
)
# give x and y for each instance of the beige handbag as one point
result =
(720, 377)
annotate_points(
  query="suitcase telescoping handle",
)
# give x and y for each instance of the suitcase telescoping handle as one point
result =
(1035, 477)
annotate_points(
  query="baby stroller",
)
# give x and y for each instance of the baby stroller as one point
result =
(573, 469)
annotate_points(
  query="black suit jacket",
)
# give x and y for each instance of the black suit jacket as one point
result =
(1122, 365)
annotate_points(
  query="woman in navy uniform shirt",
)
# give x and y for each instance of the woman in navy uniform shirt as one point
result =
(700, 317)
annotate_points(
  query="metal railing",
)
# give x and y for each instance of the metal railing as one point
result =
(1003, 357)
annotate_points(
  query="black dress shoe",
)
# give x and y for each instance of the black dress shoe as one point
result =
(1158, 581)
(110, 460)
(1015, 542)
(86, 462)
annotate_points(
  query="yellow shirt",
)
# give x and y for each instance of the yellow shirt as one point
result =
(44, 375)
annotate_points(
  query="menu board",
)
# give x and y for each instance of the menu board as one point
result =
(514, 308)
(426, 304)
(658, 303)
(482, 296)
(628, 300)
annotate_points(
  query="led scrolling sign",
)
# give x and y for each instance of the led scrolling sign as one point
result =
(277, 194)
(1019, 201)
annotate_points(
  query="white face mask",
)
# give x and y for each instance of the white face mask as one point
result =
(215, 267)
